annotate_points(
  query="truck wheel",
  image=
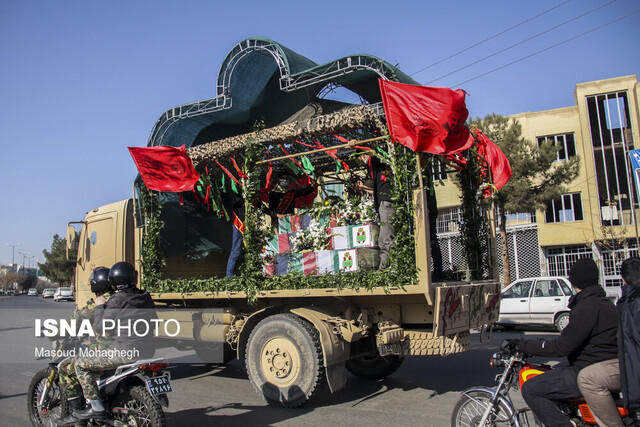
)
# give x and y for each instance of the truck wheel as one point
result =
(374, 367)
(207, 352)
(284, 360)
(562, 321)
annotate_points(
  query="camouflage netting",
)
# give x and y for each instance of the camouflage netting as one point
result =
(347, 120)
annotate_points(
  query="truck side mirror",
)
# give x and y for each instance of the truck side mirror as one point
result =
(72, 243)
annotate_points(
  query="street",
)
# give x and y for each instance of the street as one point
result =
(422, 392)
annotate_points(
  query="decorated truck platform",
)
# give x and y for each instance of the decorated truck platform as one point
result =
(308, 301)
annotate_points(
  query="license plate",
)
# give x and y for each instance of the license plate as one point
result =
(394, 348)
(159, 385)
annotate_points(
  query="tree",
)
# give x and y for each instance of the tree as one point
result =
(7, 280)
(536, 179)
(56, 267)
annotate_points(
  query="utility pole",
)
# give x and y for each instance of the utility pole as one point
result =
(13, 256)
(24, 255)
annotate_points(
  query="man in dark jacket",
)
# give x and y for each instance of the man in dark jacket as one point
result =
(128, 305)
(629, 333)
(598, 381)
(590, 337)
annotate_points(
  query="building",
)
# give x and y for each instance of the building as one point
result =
(599, 214)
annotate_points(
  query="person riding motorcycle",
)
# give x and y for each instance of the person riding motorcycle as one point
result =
(599, 380)
(128, 304)
(101, 288)
(590, 337)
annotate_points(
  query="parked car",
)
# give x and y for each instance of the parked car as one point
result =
(48, 293)
(536, 301)
(63, 294)
(33, 292)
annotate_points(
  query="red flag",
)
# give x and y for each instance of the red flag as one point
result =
(304, 201)
(495, 158)
(424, 118)
(165, 168)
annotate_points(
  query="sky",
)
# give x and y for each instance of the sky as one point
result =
(81, 80)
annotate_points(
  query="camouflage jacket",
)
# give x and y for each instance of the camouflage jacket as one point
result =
(99, 342)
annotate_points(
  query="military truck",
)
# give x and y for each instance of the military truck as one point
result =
(293, 340)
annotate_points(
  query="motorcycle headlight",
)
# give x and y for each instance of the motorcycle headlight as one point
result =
(496, 361)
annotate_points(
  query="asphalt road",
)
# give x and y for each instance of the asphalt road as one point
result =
(422, 392)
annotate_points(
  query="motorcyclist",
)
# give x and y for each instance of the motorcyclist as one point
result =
(599, 380)
(100, 286)
(127, 304)
(590, 337)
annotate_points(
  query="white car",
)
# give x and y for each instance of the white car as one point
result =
(33, 292)
(536, 301)
(48, 293)
(63, 294)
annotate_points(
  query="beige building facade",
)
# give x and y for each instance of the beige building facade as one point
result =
(598, 216)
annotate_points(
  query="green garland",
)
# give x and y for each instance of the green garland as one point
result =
(251, 277)
(403, 255)
(475, 233)
(152, 261)
(402, 270)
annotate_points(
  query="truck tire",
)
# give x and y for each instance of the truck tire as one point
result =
(207, 353)
(374, 367)
(284, 360)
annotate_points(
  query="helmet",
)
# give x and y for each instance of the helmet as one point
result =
(99, 280)
(123, 275)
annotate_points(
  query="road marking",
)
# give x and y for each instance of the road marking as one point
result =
(27, 373)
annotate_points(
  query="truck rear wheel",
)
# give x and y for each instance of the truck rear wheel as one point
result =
(284, 360)
(208, 352)
(374, 367)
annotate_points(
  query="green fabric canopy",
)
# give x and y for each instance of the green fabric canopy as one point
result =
(261, 79)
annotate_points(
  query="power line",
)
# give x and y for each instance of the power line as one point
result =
(547, 48)
(489, 38)
(521, 42)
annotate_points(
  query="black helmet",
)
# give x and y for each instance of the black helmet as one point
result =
(99, 280)
(123, 275)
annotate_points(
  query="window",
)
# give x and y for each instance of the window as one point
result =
(568, 290)
(547, 288)
(566, 209)
(438, 171)
(559, 260)
(611, 139)
(565, 142)
(449, 220)
(519, 290)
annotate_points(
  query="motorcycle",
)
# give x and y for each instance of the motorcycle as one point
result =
(133, 394)
(487, 406)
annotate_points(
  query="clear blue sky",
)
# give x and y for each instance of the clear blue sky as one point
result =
(82, 80)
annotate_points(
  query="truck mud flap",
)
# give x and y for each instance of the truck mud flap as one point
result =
(335, 350)
(463, 307)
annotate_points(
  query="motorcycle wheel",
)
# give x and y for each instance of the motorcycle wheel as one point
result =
(471, 406)
(58, 402)
(142, 407)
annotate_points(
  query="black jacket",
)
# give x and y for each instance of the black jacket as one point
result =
(124, 308)
(590, 336)
(629, 345)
